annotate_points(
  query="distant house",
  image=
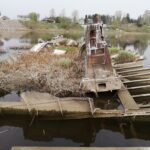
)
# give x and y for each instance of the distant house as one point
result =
(23, 17)
(81, 21)
(49, 20)
(4, 18)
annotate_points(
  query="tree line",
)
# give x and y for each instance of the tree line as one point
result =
(58, 18)
(119, 18)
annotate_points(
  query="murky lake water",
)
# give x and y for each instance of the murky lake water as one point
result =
(115, 132)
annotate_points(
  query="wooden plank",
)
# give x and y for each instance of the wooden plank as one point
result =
(136, 75)
(72, 108)
(138, 87)
(135, 81)
(80, 148)
(130, 64)
(134, 71)
(141, 95)
(144, 106)
(129, 67)
(126, 99)
(49, 111)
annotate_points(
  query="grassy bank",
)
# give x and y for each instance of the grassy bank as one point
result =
(130, 28)
(69, 29)
(122, 56)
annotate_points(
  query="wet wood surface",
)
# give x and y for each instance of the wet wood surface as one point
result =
(54, 108)
(126, 99)
(80, 148)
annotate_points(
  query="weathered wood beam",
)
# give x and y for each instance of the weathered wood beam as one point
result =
(130, 64)
(126, 99)
(141, 95)
(138, 87)
(143, 75)
(129, 67)
(80, 148)
(135, 81)
(144, 106)
(134, 71)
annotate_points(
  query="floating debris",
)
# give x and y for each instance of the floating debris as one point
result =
(38, 47)
(59, 52)
(2, 51)
(24, 47)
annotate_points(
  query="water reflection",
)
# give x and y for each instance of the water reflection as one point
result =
(9, 96)
(73, 133)
(13, 39)
(138, 42)
(147, 57)
(134, 42)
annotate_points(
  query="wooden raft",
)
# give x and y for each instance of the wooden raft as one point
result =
(53, 108)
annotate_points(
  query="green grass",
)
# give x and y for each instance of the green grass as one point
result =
(114, 50)
(130, 28)
(45, 25)
(133, 28)
(69, 30)
(38, 25)
(65, 63)
(125, 56)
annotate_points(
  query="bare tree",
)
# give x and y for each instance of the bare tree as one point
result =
(75, 15)
(146, 17)
(118, 15)
(63, 13)
(52, 12)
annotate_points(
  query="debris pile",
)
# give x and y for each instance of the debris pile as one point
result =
(2, 51)
(58, 75)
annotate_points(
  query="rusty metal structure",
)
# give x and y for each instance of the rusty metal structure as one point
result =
(99, 73)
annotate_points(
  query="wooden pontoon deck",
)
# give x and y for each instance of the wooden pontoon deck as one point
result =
(53, 108)
(80, 148)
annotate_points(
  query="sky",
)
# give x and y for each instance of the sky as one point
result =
(12, 8)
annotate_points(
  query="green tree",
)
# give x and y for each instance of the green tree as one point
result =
(52, 13)
(75, 16)
(128, 18)
(139, 21)
(146, 17)
(118, 15)
(34, 16)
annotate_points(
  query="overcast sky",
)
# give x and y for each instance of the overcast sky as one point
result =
(12, 8)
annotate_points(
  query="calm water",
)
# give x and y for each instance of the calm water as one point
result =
(18, 131)
(99, 133)
(134, 42)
